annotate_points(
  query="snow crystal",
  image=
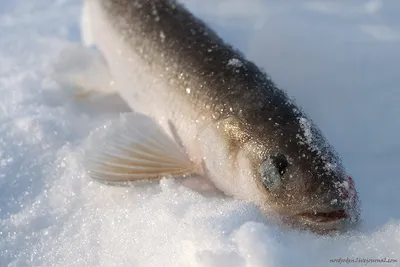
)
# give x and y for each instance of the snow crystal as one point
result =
(162, 36)
(234, 62)
(306, 127)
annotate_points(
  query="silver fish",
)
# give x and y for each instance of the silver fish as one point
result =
(214, 113)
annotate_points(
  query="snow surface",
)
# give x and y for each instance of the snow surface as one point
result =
(339, 59)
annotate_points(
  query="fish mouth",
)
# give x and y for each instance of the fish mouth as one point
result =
(322, 217)
(325, 221)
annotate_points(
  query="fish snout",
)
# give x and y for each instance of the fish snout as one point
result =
(346, 194)
(351, 195)
(351, 200)
(335, 211)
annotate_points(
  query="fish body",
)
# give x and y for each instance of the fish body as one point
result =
(226, 115)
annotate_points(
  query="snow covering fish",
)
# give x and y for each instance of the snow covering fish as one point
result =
(209, 111)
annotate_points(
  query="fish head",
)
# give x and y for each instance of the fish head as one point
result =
(309, 191)
(298, 174)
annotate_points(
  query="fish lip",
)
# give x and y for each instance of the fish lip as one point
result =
(325, 221)
(324, 216)
(318, 223)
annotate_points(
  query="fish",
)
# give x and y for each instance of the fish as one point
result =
(200, 107)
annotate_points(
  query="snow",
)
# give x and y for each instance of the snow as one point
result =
(234, 62)
(306, 127)
(339, 59)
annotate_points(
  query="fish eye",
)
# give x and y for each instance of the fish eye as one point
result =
(272, 170)
(280, 162)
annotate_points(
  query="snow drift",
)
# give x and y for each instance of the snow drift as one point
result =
(338, 59)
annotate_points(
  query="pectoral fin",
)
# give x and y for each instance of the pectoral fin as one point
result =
(84, 70)
(135, 148)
